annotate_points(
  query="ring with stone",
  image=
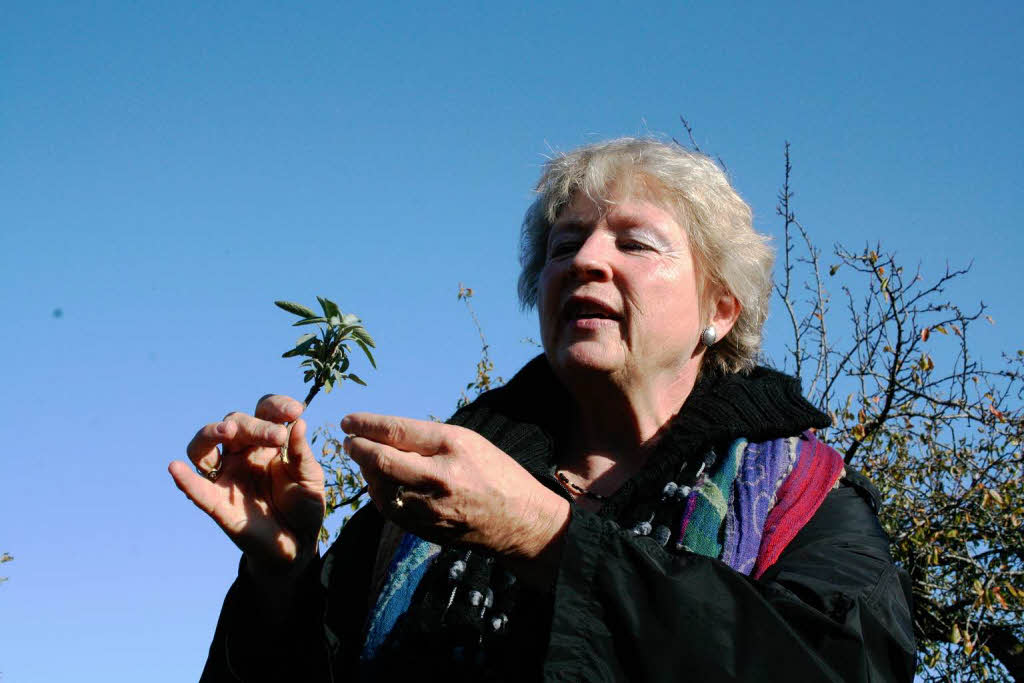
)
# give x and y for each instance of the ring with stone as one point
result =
(214, 472)
(397, 503)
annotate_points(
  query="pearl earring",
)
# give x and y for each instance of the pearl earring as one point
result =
(709, 336)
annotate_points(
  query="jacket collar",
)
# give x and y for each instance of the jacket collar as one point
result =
(528, 417)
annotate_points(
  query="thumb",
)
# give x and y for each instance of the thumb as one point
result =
(203, 493)
(302, 464)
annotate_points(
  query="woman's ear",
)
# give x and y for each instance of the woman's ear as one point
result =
(725, 310)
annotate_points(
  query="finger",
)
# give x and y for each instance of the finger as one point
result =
(382, 463)
(302, 464)
(234, 431)
(378, 496)
(278, 408)
(204, 494)
(253, 431)
(385, 497)
(202, 449)
(425, 438)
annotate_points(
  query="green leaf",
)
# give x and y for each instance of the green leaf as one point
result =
(297, 309)
(304, 338)
(355, 378)
(369, 355)
(301, 349)
(327, 386)
(334, 321)
(343, 365)
(364, 336)
(330, 308)
(348, 331)
(309, 374)
(335, 353)
(350, 319)
(310, 321)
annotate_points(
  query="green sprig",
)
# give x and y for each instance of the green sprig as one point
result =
(326, 352)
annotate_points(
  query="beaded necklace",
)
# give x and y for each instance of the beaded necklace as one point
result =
(579, 489)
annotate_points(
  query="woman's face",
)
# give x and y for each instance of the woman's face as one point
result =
(618, 292)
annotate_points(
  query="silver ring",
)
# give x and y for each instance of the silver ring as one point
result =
(397, 503)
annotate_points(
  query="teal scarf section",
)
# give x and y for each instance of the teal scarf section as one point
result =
(710, 504)
(411, 561)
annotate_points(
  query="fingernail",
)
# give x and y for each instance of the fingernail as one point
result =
(221, 429)
(346, 422)
(346, 445)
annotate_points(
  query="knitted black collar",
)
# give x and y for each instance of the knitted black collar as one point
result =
(528, 417)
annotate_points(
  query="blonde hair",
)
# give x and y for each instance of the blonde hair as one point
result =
(729, 253)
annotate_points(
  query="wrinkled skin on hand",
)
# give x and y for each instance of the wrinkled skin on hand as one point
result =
(271, 509)
(457, 488)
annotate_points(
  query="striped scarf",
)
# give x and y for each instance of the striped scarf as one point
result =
(744, 512)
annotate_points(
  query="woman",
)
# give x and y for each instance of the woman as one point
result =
(640, 503)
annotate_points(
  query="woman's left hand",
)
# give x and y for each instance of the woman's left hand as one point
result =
(457, 487)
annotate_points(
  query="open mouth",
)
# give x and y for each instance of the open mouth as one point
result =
(579, 308)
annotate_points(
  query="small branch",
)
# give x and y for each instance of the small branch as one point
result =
(353, 498)
(782, 209)
(693, 143)
(313, 391)
(819, 311)
(689, 132)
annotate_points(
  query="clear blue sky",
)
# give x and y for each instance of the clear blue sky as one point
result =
(169, 169)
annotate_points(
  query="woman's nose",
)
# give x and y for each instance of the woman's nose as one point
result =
(591, 260)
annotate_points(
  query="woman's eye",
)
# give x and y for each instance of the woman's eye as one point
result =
(562, 248)
(634, 246)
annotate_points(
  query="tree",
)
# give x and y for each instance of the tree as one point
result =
(482, 381)
(938, 432)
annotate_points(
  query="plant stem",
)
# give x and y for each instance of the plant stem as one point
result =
(313, 391)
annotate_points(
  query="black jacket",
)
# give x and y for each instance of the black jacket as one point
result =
(833, 608)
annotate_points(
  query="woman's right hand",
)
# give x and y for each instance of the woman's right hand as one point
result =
(271, 509)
